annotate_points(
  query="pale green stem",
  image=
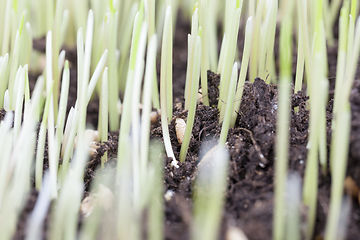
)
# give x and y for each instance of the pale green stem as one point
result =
(113, 74)
(339, 155)
(55, 52)
(165, 78)
(193, 98)
(282, 129)
(190, 63)
(311, 171)
(229, 106)
(14, 65)
(62, 108)
(147, 92)
(341, 62)
(127, 106)
(231, 30)
(253, 68)
(156, 213)
(212, 24)
(3, 66)
(205, 65)
(209, 196)
(104, 113)
(7, 29)
(135, 117)
(41, 145)
(19, 97)
(243, 71)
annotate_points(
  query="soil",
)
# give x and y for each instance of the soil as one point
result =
(251, 143)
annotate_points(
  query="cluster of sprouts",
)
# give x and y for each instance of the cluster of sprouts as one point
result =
(117, 44)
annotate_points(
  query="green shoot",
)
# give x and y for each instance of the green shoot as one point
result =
(64, 26)
(50, 122)
(14, 64)
(96, 75)
(340, 138)
(351, 29)
(49, 23)
(165, 82)
(311, 171)
(267, 47)
(339, 155)
(229, 106)
(317, 104)
(127, 227)
(62, 108)
(205, 65)
(213, 53)
(69, 138)
(5, 147)
(190, 62)
(3, 65)
(19, 95)
(243, 71)
(84, 82)
(194, 72)
(293, 204)
(341, 62)
(282, 129)
(150, 18)
(304, 28)
(147, 92)
(167, 74)
(6, 33)
(79, 10)
(300, 53)
(209, 196)
(270, 34)
(41, 145)
(104, 101)
(156, 216)
(113, 73)
(232, 21)
(55, 52)
(125, 35)
(135, 114)
(26, 46)
(68, 126)
(126, 116)
(27, 87)
(254, 57)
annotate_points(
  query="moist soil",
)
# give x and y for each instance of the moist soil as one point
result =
(251, 143)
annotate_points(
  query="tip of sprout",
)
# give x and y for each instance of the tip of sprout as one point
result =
(21, 24)
(111, 6)
(195, 7)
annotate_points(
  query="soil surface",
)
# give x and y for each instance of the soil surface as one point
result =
(249, 197)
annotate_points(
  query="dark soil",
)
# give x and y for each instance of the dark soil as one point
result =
(249, 197)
